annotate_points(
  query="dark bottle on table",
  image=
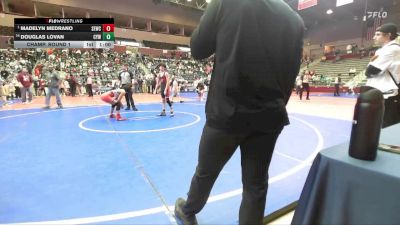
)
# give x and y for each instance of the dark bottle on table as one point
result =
(367, 123)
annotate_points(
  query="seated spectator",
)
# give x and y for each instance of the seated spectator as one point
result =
(349, 49)
(352, 72)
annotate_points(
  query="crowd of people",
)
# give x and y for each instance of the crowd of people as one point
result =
(93, 72)
(89, 72)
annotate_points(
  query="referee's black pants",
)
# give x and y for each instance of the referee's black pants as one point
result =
(392, 111)
(216, 148)
(128, 96)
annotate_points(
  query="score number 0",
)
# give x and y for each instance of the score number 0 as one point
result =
(108, 27)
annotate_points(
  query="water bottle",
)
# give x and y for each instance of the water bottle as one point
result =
(367, 123)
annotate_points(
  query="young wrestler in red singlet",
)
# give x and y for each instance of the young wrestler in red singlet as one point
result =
(114, 98)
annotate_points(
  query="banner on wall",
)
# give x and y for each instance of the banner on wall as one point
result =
(372, 25)
(343, 2)
(304, 4)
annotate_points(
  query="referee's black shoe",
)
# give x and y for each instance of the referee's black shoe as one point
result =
(181, 218)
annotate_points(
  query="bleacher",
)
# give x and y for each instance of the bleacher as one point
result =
(329, 69)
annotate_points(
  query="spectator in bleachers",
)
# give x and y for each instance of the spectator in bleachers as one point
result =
(4, 73)
(3, 94)
(349, 49)
(352, 72)
(363, 53)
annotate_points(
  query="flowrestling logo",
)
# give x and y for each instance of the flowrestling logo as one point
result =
(377, 14)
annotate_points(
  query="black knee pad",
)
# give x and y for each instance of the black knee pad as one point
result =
(169, 102)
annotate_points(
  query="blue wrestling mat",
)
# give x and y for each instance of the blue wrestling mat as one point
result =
(77, 166)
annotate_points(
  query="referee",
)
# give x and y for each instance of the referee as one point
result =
(383, 72)
(126, 78)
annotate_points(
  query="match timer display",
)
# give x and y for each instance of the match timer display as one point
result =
(64, 33)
